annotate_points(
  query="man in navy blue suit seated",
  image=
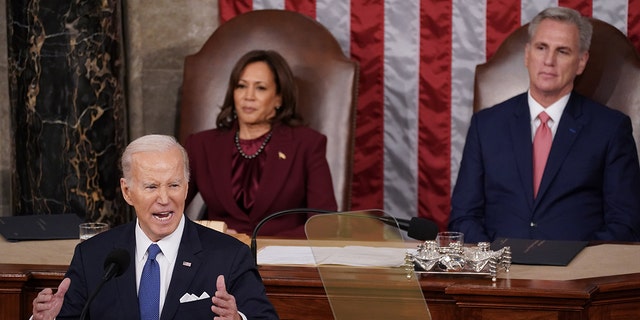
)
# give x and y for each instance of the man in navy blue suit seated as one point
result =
(202, 273)
(588, 188)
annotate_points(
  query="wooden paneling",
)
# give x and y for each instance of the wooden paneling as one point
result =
(297, 292)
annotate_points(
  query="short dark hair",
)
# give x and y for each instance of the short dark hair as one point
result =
(285, 86)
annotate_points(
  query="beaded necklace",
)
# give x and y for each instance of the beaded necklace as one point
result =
(244, 155)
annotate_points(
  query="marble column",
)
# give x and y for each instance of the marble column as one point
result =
(68, 116)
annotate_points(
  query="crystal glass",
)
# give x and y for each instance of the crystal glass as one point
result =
(90, 229)
(450, 239)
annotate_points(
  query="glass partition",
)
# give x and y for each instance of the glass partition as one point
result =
(360, 256)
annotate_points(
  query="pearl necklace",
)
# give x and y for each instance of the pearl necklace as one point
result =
(244, 155)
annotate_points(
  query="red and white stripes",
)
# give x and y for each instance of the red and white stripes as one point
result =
(417, 61)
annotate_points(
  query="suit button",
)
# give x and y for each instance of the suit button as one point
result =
(533, 224)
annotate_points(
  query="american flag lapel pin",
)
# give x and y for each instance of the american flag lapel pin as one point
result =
(186, 264)
(282, 155)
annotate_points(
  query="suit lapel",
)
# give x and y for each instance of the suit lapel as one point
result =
(520, 128)
(279, 159)
(126, 283)
(186, 267)
(568, 130)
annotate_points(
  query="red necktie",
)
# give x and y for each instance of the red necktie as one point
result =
(541, 146)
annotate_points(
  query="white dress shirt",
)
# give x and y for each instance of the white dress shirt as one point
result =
(554, 111)
(166, 259)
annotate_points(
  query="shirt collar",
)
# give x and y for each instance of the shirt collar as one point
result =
(169, 244)
(554, 111)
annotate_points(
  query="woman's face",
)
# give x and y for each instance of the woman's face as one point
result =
(255, 95)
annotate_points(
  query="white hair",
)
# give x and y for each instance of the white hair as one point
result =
(149, 143)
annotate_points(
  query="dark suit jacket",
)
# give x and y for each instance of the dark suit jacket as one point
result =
(295, 175)
(590, 189)
(210, 253)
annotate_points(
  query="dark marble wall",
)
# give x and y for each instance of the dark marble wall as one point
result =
(5, 121)
(158, 35)
(66, 84)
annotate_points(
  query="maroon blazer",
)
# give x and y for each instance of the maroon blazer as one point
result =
(296, 175)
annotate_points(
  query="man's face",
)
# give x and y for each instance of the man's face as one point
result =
(553, 60)
(157, 190)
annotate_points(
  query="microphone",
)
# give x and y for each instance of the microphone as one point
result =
(115, 265)
(254, 246)
(417, 228)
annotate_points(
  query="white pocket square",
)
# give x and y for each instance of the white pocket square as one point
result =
(188, 297)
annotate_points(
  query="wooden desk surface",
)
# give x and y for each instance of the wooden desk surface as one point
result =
(603, 282)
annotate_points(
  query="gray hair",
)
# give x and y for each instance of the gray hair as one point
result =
(150, 143)
(585, 30)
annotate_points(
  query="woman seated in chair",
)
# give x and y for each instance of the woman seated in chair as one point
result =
(260, 159)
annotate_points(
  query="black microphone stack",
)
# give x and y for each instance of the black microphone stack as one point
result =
(115, 265)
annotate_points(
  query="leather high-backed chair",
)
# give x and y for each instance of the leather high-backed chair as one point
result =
(611, 77)
(325, 77)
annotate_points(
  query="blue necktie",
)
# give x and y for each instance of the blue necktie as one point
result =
(149, 293)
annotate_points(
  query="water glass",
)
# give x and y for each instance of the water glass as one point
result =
(90, 229)
(450, 239)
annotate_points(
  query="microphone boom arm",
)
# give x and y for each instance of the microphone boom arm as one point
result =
(254, 235)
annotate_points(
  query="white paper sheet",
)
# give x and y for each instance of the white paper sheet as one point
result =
(360, 256)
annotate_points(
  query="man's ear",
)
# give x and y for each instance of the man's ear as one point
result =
(584, 57)
(125, 190)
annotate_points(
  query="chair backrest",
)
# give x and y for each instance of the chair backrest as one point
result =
(325, 77)
(611, 77)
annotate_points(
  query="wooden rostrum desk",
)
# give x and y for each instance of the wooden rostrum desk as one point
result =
(602, 282)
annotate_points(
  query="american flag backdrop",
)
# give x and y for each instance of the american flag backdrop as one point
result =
(417, 61)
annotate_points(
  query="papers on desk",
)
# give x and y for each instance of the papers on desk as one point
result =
(358, 256)
(286, 255)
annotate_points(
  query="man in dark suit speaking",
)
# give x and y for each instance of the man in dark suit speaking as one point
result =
(549, 163)
(188, 272)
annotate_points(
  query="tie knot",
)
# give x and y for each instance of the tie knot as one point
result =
(544, 117)
(153, 251)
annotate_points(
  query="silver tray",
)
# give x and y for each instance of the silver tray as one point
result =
(477, 260)
(456, 273)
